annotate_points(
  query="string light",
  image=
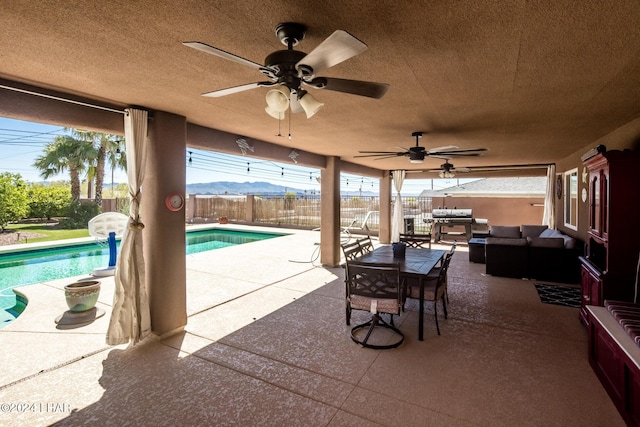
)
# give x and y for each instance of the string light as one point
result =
(232, 165)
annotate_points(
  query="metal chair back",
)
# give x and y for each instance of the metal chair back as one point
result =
(416, 240)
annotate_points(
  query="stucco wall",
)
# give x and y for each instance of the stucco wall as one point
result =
(498, 210)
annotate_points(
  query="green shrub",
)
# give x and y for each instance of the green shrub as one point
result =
(79, 214)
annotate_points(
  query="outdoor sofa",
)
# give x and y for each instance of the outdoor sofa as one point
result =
(532, 252)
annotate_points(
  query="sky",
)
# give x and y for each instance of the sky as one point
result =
(22, 142)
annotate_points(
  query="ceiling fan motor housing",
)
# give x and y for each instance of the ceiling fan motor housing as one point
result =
(284, 63)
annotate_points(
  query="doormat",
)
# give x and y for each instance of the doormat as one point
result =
(559, 295)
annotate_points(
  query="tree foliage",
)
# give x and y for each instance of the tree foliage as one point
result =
(13, 198)
(102, 150)
(82, 151)
(48, 201)
(65, 153)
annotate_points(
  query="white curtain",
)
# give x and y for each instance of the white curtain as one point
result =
(130, 318)
(549, 214)
(398, 220)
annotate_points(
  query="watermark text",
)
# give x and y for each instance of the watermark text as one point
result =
(35, 407)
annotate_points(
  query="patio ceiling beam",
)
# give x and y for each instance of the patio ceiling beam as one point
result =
(30, 103)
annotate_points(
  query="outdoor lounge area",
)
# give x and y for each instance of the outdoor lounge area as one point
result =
(386, 93)
(266, 344)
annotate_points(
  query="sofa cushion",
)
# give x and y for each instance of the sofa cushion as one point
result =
(569, 242)
(505, 241)
(549, 232)
(533, 230)
(507, 231)
(546, 242)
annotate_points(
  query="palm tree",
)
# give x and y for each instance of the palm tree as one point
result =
(104, 146)
(65, 152)
(116, 157)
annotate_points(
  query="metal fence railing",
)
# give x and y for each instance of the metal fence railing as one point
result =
(356, 212)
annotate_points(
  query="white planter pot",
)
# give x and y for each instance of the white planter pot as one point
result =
(82, 296)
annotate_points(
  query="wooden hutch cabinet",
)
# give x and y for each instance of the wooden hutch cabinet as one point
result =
(608, 270)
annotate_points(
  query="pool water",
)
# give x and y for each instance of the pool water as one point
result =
(40, 265)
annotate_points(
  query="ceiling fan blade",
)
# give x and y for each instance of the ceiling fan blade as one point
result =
(460, 151)
(380, 152)
(382, 155)
(442, 156)
(494, 168)
(389, 156)
(449, 154)
(443, 148)
(222, 54)
(336, 48)
(236, 89)
(354, 87)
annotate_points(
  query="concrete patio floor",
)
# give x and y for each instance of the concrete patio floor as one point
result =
(266, 344)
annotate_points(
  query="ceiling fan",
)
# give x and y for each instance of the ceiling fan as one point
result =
(447, 170)
(417, 154)
(290, 71)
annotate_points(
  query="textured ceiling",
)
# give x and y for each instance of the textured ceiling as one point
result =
(534, 81)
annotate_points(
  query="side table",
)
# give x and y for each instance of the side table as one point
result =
(476, 250)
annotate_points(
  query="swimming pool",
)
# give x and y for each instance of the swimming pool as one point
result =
(40, 265)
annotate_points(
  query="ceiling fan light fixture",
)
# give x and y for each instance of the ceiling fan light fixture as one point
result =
(278, 99)
(416, 160)
(309, 103)
(446, 174)
(278, 115)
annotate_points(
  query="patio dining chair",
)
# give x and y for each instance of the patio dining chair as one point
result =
(366, 245)
(416, 240)
(435, 288)
(376, 288)
(351, 250)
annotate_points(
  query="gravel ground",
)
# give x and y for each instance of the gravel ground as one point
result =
(10, 237)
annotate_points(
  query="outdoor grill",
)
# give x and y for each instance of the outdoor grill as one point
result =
(449, 218)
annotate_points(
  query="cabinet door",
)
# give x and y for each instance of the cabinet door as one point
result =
(606, 355)
(591, 288)
(604, 204)
(632, 378)
(595, 210)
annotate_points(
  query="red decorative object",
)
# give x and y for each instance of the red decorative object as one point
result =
(174, 201)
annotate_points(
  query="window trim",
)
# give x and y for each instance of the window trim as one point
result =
(571, 198)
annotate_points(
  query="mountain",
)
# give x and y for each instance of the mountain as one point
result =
(263, 188)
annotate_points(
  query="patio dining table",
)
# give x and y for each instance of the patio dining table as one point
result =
(417, 263)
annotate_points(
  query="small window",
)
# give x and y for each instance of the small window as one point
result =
(571, 199)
